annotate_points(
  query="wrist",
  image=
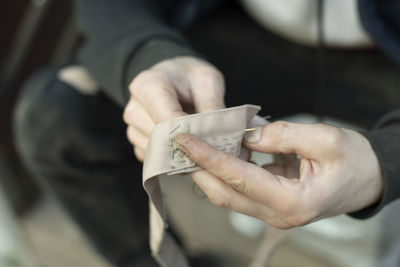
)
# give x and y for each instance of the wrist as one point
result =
(375, 189)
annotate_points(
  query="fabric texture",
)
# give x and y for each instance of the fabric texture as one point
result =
(224, 129)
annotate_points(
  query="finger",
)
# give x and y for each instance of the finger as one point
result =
(247, 178)
(137, 138)
(157, 94)
(139, 153)
(223, 195)
(135, 115)
(314, 141)
(207, 88)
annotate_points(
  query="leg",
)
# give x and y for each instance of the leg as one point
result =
(77, 144)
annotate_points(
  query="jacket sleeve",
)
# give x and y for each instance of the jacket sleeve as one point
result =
(385, 140)
(124, 37)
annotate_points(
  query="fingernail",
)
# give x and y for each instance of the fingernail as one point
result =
(253, 136)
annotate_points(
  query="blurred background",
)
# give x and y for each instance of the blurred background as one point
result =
(34, 34)
(35, 230)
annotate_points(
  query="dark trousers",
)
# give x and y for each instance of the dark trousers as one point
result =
(77, 143)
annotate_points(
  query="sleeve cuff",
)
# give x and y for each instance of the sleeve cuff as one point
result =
(385, 140)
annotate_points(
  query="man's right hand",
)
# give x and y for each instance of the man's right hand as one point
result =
(169, 89)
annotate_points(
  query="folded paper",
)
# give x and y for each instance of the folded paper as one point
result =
(223, 129)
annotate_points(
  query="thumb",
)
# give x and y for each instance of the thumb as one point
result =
(313, 141)
(207, 89)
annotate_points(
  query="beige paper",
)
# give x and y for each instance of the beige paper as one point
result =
(223, 129)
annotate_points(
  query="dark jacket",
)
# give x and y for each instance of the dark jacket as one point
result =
(114, 55)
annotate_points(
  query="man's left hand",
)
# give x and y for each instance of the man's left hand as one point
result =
(337, 172)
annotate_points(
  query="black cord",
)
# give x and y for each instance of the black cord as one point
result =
(320, 85)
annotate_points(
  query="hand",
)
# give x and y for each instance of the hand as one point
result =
(338, 173)
(170, 89)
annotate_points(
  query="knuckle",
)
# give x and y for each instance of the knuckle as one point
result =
(142, 76)
(143, 80)
(208, 74)
(206, 71)
(219, 198)
(280, 126)
(136, 84)
(239, 185)
(235, 180)
(139, 154)
(277, 133)
(334, 137)
(128, 113)
(203, 158)
(215, 161)
(130, 135)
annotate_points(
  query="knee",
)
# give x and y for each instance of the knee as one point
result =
(32, 118)
(56, 127)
